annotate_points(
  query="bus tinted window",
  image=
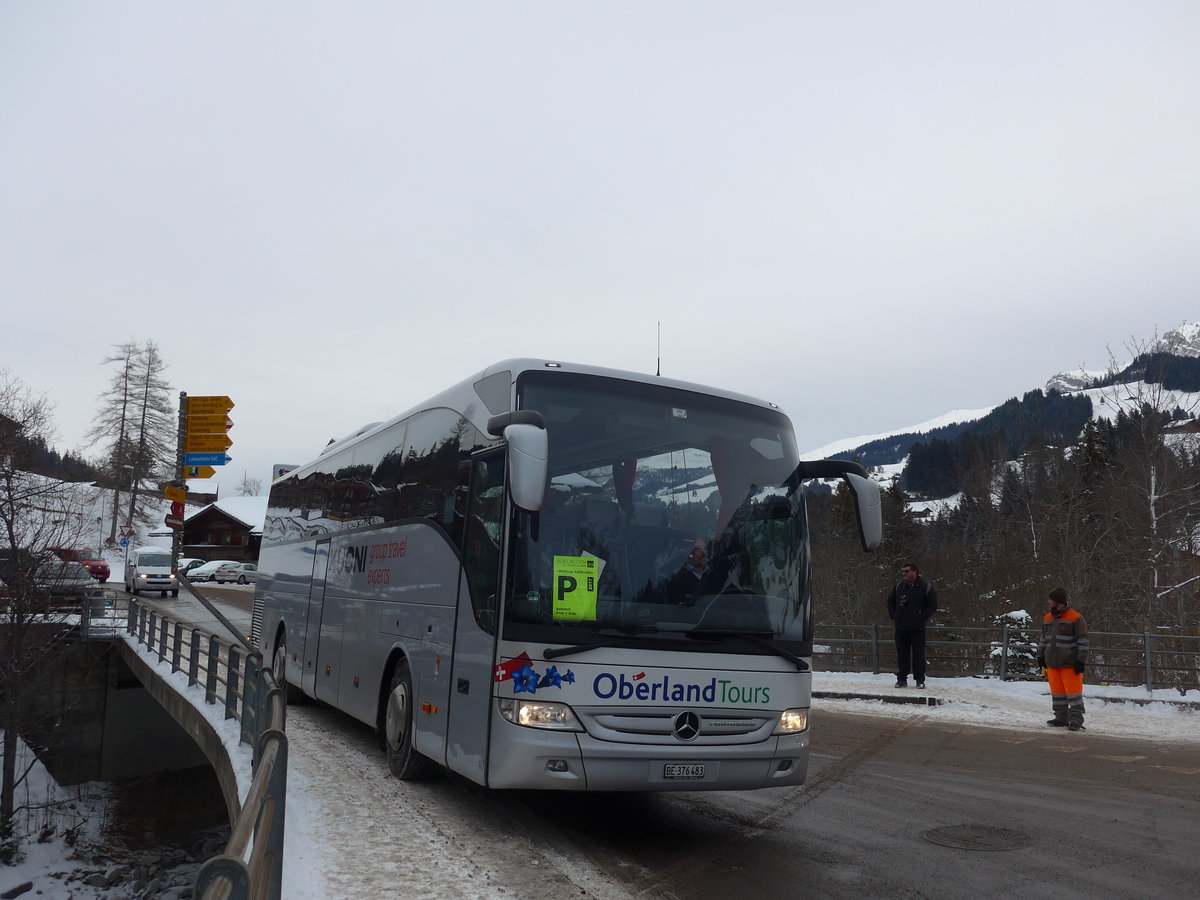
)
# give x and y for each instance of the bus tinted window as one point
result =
(639, 476)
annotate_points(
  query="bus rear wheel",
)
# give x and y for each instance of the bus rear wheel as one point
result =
(403, 759)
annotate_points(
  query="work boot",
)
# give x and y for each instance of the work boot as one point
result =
(1076, 726)
(1057, 723)
(901, 681)
(921, 685)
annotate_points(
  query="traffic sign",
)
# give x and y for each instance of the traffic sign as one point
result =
(208, 424)
(199, 472)
(173, 521)
(178, 494)
(206, 459)
(208, 406)
(206, 443)
(177, 510)
(124, 542)
(126, 530)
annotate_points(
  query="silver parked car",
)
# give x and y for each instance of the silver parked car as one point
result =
(206, 571)
(242, 573)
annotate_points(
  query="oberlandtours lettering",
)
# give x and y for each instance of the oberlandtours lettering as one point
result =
(719, 690)
(364, 557)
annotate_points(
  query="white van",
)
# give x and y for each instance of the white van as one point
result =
(149, 569)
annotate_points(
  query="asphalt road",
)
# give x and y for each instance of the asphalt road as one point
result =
(891, 808)
(915, 809)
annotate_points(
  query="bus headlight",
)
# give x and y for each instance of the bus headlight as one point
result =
(539, 714)
(792, 721)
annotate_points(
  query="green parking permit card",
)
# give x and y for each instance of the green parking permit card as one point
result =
(575, 583)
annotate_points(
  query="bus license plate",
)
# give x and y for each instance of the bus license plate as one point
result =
(691, 770)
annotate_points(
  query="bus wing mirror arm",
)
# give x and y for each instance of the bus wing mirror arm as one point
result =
(867, 499)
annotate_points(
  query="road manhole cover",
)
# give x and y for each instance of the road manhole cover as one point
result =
(978, 837)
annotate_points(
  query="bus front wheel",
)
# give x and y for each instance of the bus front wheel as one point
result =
(403, 759)
(279, 668)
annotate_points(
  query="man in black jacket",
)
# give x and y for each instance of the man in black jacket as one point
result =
(910, 605)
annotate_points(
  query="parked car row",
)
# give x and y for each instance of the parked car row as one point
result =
(224, 571)
(80, 570)
(95, 564)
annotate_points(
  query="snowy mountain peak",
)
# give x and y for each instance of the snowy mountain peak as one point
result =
(1069, 382)
(1181, 341)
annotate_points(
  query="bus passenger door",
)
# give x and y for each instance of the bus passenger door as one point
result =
(312, 623)
(476, 624)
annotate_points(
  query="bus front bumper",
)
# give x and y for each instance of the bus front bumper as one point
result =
(534, 758)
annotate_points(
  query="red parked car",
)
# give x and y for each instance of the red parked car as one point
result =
(89, 559)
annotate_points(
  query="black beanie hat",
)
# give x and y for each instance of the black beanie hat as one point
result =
(1058, 595)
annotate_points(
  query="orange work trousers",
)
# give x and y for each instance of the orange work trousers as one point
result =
(1065, 682)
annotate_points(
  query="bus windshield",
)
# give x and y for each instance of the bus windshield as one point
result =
(667, 516)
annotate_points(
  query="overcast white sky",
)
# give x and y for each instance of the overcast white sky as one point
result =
(869, 213)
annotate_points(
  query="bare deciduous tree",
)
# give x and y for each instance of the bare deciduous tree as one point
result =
(135, 426)
(250, 487)
(36, 514)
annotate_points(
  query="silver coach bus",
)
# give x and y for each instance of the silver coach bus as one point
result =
(498, 581)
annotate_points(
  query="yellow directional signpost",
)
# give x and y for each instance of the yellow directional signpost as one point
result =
(203, 439)
(205, 425)
(201, 424)
(206, 443)
(208, 406)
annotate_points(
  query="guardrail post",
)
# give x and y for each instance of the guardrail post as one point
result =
(277, 790)
(250, 726)
(210, 668)
(1004, 655)
(163, 624)
(194, 658)
(1147, 655)
(875, 648)
(151, 629)
(131, 617)
(224, 867)
(176, 647)
(231, 684)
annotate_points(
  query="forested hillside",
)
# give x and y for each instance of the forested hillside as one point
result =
(1113, 516)
(937, 457)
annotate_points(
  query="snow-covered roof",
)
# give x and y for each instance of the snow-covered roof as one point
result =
(250, 511)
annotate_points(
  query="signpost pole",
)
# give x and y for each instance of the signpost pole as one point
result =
(176, 533)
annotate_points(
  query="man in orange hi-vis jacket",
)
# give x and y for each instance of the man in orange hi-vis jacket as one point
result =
(1063, 654)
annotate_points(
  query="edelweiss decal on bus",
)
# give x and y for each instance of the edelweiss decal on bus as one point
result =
(526, 681)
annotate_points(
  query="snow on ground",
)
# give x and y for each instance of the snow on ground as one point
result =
(1110, 709)
(318, 866)
(382, 814)
(954, 417)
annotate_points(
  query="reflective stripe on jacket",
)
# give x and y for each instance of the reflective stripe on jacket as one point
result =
(1064, 640)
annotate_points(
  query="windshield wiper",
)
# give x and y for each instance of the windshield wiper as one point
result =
(753, 638)
(616, 639)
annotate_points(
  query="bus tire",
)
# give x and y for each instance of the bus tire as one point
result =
(404, 760)
(291, 693)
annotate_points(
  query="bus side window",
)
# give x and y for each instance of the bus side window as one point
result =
(481, 550)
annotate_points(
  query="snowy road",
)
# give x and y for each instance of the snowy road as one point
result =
(883, 790)
(355, 831)
(901, 800)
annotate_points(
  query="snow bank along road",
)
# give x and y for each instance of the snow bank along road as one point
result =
(894, 804)
(974, 797)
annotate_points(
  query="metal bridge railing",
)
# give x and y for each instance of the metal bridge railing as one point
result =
(1152, 660)
(232, 674)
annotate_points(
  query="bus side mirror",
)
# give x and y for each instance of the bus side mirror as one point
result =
(528, 464)
(869, 509)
